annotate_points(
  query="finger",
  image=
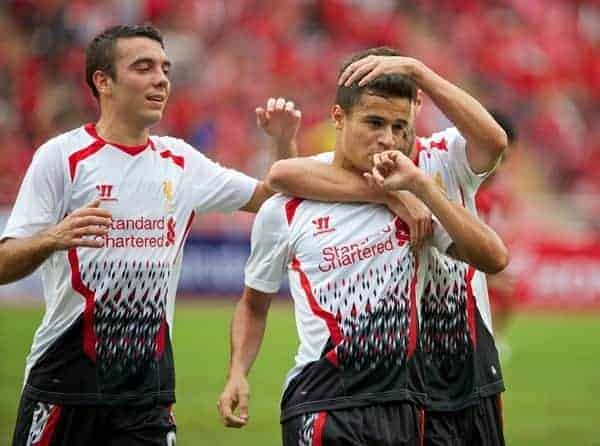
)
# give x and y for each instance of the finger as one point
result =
(360, 72)
(373, 74)
(97, 212)
(350, 69)
(225, 405)
(92, 220)
(94, 203)
(243, 405)
(378, 177)
(261, 117)
(297, 114)
(289, 106)
(271, 105)
(280, 104)
(370, 180)
(86, 243)
(89, 231)
(234, 421)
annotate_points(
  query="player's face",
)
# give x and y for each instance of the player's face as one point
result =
(374, 125)
(141, 88)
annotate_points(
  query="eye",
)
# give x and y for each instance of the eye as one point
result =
(374, 123)
(398, 127)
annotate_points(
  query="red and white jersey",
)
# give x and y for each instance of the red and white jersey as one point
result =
(125, 291)
(353, 279)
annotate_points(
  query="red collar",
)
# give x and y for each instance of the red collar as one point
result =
(131, 150)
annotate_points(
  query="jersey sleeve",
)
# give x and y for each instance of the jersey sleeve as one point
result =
(325, 157)
(212, 186)
(41, 201)
(440, 239)
(269, 253)
(456, 145)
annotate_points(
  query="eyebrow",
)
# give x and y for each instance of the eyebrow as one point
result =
(380, 118)
(141, 60)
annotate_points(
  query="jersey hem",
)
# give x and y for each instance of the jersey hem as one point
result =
(350, 402)
(99, 399)
(471, 400)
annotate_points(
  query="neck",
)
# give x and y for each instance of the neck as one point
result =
(111, 128)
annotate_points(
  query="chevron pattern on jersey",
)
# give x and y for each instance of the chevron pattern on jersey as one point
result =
(444, 324)
(307, 431)
(129, 307)
(373, 311)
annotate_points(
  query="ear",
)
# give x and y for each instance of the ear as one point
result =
(418, 102)
(102, 82)
(338, 115)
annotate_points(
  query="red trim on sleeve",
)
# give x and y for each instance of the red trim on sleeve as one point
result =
(89, 335)
(334, 330)
(179, 160)
(50, 427)
(319, 427)
(76, 157)
(414, 326)
(131, 150)
(471, 305)
(290, 208)
(185, 234)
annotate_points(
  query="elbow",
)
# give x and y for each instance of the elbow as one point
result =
(278, 175)
(499, 142)
(498, 261)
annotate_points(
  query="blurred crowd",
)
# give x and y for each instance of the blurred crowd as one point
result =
(536, 60)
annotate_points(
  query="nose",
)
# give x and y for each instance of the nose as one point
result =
(386, 139)
(161, 79)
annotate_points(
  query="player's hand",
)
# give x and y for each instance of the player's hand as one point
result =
(81, 228)
(415, 213)
(280, 120)
(393, 171)
(236, 395)
(369, 68)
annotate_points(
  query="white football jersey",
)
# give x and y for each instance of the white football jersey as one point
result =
(125, 291)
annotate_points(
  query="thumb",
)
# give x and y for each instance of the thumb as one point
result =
(94, 203)
(243, 405)
(261, 117)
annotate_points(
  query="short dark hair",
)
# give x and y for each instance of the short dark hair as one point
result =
(100, 53)
(387, 85)
(507, 124)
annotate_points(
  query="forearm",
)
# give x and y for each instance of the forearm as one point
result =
(474, 241)
(247, 331)
(282, 150)
(314, 180)
(21, 257)
(474, 122)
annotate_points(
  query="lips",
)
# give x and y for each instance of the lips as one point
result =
(159, 98)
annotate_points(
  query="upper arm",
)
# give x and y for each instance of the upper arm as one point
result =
(214, 188)
(41, 201)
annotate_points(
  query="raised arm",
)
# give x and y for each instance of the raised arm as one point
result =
(486, 140)
(247, 331)
(19, 257)
(473, 241)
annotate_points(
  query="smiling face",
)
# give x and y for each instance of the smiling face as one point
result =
(140, 88)
(374, 125)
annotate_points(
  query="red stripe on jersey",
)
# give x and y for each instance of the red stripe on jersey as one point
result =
(188, 226)
(419, 148)
(471, 305)
(334, 330)
(319, 427)
(414, 326)
(130, 150)
(290, 208)
(80, 155)
(179, 160)
(160, 338)
(89, 335)
(462, 196)
(50, 427)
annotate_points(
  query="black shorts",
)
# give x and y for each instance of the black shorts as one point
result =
(397, 424)
(480, 424)
(46, 424)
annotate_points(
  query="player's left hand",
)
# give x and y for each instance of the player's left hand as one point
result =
(371, 67)
(236, 395)
(280, 120)
(392, 170)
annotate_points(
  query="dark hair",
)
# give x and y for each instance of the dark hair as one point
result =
(394, 85)
(507, 124)
(100, 53)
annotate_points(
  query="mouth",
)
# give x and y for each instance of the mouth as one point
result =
(156, 98)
